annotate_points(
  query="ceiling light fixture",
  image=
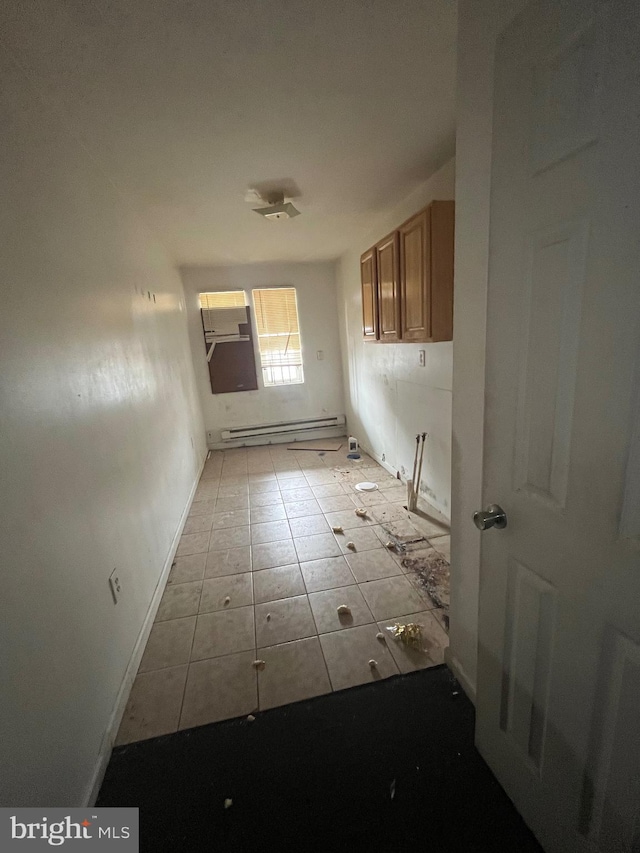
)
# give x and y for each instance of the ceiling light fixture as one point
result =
(277, 208)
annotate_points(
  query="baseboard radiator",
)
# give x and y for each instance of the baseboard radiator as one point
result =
(281, 428)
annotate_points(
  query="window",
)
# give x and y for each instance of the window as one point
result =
(278, 335)
(228, 341)
(213, 321)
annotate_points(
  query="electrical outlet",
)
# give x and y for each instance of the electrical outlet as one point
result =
(423, 358)
(320, 354)
(114, 585)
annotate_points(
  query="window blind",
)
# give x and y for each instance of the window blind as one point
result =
(279, 341)
(223, 299)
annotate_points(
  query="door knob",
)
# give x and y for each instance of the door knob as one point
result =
(492, 516)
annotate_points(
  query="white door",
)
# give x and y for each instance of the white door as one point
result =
(558, 716)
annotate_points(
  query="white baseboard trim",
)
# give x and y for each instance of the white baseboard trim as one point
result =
(394, 471)
(134, 662)
(454, 665)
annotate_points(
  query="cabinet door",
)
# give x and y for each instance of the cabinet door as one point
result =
(369, 296)
(388, 291)
(415, 277)
(442, 230)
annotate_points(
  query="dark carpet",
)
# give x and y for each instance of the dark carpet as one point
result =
(383, 767)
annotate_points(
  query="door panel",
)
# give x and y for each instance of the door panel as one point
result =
(611, 784)
(442, 250)
(388, 294)
(529, 620)
(559, 623)
(415, 277)
(369, 296)
(554, 284)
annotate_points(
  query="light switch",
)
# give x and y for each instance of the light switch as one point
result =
(320, 354)
(423, 358)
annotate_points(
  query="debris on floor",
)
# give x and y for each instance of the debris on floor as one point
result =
(251, 718)
(392, 788)
(402, 535)
(260, 476)
(341, 469)
(325, 444)
(228, 803)
(409, 634)
(452, 806)
(432, 571)
(417, 540)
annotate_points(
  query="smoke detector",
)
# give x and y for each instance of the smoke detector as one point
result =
(276, 208)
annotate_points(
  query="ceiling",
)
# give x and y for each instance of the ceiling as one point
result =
(186, 103)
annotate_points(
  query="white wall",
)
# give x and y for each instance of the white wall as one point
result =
(479, 22)
(321, 393)
(389, 397)
(101, 441)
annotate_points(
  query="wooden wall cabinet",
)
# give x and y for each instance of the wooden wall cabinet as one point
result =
(388, 288)
(414, 279)
(426, 274)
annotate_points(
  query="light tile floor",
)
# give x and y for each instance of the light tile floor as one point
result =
(259, 575)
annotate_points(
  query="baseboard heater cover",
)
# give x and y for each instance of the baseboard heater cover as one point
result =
(281, 428)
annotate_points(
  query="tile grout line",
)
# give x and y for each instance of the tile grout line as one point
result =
(195, 628)
(255, 630)
(326, 665)
(242, 472)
